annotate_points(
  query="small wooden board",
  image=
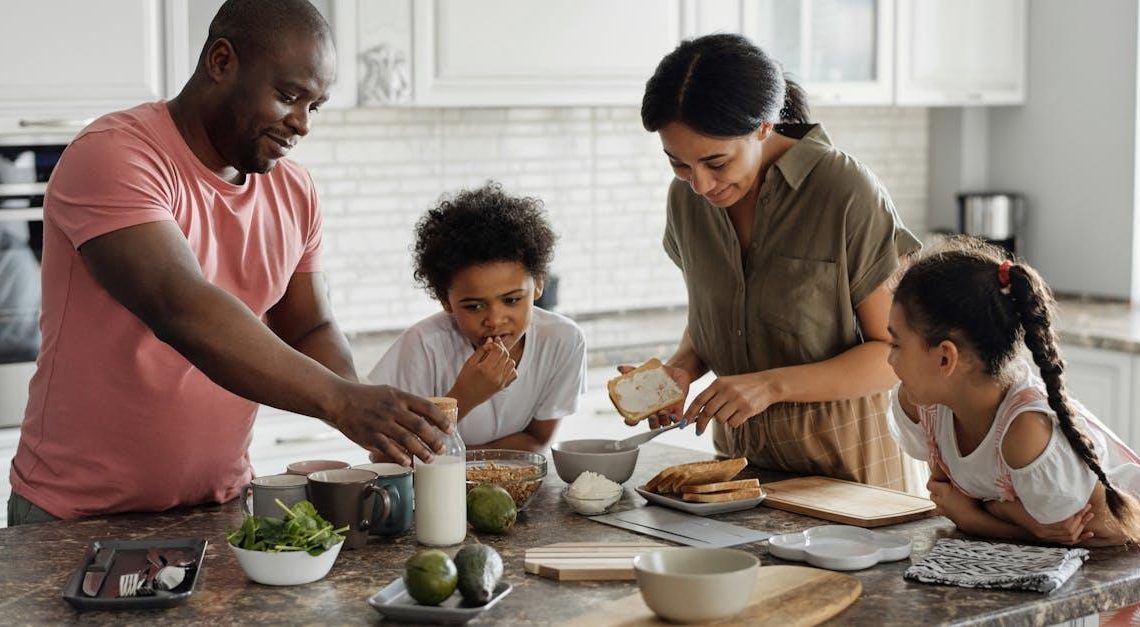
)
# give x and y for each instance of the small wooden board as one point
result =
(784, 596)
(587, 561)
(846, 502)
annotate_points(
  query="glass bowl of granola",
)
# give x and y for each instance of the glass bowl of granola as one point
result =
(520, 473)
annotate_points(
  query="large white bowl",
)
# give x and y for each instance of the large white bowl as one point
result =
(287, 568)
(696, 585)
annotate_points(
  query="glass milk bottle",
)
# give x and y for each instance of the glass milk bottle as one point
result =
(441, 487)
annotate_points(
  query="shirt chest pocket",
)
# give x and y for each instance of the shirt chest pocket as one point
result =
(800, 296)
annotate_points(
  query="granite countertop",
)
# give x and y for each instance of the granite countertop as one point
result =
(37, 560)
(1107, 325)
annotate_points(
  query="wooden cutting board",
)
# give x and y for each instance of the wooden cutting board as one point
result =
(846, 502)
(785, 596)
(586, 561)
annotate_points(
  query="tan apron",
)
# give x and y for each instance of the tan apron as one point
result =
(841, 439)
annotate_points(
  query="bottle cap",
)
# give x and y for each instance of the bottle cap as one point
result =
(449, 406)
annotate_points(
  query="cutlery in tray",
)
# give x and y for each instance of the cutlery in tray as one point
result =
(136, 574)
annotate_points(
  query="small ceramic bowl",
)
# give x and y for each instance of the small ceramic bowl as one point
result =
(592, 506)
(286, 568)
(689, 585)
(573, 457)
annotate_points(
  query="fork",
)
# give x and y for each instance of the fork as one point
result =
(129, 585)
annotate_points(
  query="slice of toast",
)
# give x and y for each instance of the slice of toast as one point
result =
(714, 472)
(723, 486)
(643, 391)
(673, 478)
(721, 497)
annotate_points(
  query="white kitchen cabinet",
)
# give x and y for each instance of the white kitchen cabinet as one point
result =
(960, 52)
(840, 51)
(1102, 380)
(65, 60)
(550, 53)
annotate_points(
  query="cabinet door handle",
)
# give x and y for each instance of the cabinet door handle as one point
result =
(55, 123)
(309, 437)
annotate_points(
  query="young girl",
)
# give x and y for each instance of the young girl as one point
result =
(1011, 456)
(515, 370)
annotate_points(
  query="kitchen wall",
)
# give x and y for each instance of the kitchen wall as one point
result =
(1071, 148)
(602, 177)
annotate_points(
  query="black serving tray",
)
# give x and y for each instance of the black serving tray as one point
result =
(130, 556)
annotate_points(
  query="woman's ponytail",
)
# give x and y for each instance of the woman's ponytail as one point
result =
(795, 109)
(1033, 302)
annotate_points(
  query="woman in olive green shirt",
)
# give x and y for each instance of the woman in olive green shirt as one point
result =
(786, 245)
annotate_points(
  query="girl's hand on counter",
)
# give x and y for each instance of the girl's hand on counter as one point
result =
(1069, 532)
(951, 502)
(732, 400)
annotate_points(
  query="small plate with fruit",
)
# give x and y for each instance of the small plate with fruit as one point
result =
(437, 589)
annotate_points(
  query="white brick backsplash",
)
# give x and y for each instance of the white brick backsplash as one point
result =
(601, 177)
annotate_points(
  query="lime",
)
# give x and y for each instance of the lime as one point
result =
(430, 576)
(490, 508)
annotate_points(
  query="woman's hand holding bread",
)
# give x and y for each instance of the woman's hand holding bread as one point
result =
(659, 417)
(488, 370)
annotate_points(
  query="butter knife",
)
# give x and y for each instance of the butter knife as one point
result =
(97, 570)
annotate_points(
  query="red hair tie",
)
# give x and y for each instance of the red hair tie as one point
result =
(1003, 273)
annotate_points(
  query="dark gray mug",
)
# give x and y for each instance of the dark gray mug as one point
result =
(396, 480)
(346, 497)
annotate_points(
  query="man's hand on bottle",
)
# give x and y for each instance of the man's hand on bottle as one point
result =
(393, 425)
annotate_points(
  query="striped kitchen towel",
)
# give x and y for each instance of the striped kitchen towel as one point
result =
(974, 564)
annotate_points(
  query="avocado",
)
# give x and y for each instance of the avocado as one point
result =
(490, 508)
(430, 577)
(480, 569)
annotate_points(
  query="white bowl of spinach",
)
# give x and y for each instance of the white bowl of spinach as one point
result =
(299, 548)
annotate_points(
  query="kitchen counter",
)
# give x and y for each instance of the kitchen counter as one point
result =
(1100, 324)
(36, 561)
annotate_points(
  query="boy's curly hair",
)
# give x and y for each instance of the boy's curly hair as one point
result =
(480, 226)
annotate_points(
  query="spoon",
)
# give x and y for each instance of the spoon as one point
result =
(641, 438)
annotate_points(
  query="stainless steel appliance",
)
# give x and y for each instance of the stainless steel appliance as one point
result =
(26, 162)
(997, 217)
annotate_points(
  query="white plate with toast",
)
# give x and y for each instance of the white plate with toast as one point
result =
(700, 509)
(703, 488)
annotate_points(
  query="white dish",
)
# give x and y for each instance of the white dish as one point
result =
(287, 568)
(840, 547)
(700, 509)
(395, 604)
(696, 585)
(592, 507)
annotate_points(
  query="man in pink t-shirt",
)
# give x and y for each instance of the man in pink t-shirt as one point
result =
(182, 287)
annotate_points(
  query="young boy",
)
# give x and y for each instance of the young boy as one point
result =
(515, 370)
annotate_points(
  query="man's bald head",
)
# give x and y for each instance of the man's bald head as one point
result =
(254, 27)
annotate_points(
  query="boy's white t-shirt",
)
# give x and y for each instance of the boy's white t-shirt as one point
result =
(427, 357)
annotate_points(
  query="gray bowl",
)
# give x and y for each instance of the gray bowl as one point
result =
(573, 457)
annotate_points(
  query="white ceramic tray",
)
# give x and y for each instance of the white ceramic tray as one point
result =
(840, 547)
(394, 603)
(700, 509)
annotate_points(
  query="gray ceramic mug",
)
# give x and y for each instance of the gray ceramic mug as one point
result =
(345, 497)
(266, 490)
(397, 480)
